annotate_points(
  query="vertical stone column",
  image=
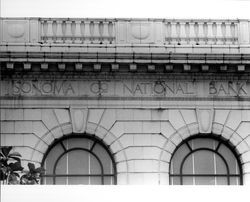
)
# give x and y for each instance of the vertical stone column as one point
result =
(34, 31)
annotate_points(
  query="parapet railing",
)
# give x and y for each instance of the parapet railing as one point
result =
(124, 31)
(77, 31)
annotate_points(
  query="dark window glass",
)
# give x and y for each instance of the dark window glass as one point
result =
(79, 161)
(204, 161)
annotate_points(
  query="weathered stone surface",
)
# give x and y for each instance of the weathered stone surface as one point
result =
(220, 116)
(108, 118)
(244, 129)
(176, 119)
(189, 116)
(234, 119)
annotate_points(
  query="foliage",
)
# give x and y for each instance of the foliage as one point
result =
(10, 165)
(11, 169)
(33, 175)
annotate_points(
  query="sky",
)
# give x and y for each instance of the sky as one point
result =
(222, 9)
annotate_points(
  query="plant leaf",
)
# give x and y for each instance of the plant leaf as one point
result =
(15, 154)
(6, 150)
(31, 167)
(16, 166)
(16, 158)
(16, 174)
(40, 170)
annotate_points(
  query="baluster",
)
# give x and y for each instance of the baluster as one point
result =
(229, 37)
(91, 31)
(187, 32)
(68, 32)
(63, 31)
(54, 29)
(183, 37)
(221, 31)
(96, 35)
(44, 30)
(87, 32)
(174, 33)
(210, 35)
(73, 31)
(236, 28)
(168, 32)
(101, 32)
(201, 33)
(177, 27)
(50, 32)
(214, 31)
(233, 32)
(59, 33)
(205, 32)
(196, 32)
(105, 32)
(78, 32)
(192, 33)
(82, 27)
(111, 32)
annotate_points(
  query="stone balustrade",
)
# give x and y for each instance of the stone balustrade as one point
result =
(77, 31)
(124, 31)
(201, 32)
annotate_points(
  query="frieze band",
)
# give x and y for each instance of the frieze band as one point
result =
(128, 88)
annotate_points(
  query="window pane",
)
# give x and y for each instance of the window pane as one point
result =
(104, 157)
(47, 180)
(230, 158)
(96, 180)
(78, 162)
(61, 167)
(175, 181)
(220, 165)
(205, 180)
(203, 143)
(234, 180)
(204, 162)
(61, 180)
(52, 157)
(188, 165)
(95, 167)
(109, 180)
(78, 143)
(221, 180)
(178, 158)
(188, 180)
(78, 180)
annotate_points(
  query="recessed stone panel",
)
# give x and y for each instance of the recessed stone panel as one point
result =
(16, 31)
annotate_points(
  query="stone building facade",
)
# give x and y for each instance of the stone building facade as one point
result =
(129, 94)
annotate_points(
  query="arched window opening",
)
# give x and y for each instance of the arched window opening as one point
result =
(205, 161)
(79, 159)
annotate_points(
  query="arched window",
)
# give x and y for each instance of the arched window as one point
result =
(77, 159)
(203, 160)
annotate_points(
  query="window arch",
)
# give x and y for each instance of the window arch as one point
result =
(77, 159)
(205, 160)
